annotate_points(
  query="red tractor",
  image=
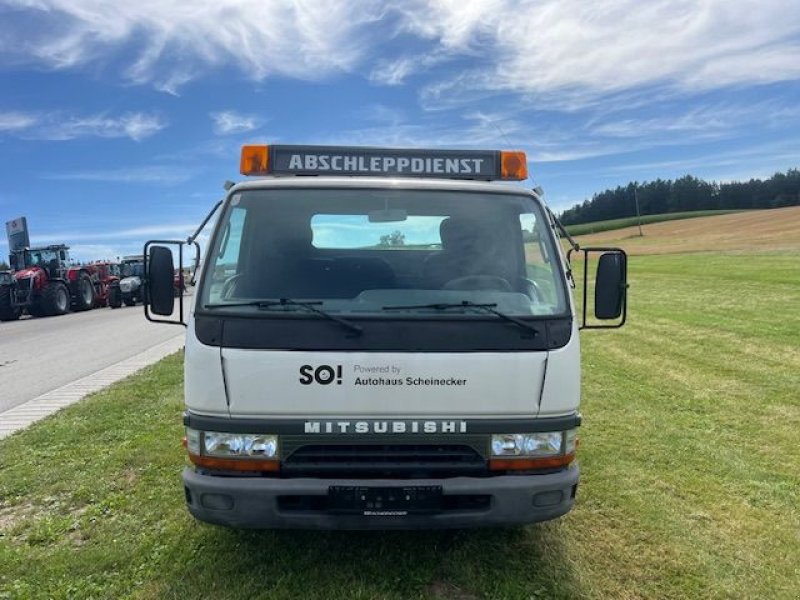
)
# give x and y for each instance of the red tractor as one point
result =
(44, 284)
(107, 290)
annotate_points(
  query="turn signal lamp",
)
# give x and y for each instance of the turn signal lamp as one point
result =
(513, 165)
(255, 160)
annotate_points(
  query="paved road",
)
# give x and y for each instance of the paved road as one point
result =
(39, 355)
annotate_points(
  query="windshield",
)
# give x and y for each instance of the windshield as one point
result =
(133, 269)
(384, 252)
(42, 258)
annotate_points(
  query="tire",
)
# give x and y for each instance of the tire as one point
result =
(84, 293)
(131, 301)
(114, 296)
(55, 299)
(8, 312)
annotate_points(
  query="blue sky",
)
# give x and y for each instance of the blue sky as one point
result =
(120, 123)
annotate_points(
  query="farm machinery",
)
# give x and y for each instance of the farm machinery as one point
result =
(132, 282)
(107, 284)
(44, 283)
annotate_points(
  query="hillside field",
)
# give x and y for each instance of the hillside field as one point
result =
(611, 224)
(774, 230)
(689, 454)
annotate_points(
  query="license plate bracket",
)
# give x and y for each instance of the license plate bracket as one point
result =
(385, 501)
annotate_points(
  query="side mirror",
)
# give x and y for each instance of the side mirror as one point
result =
(610, 286)
(159, 281)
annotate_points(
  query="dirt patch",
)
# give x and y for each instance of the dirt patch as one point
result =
(10, 516)
(443, 590)
(772, 230)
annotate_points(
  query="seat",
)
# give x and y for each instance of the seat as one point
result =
(460, 250)
(354, 274)
(474, 256)
(282, 265)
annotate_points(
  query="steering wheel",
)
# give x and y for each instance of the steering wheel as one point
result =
(478, 282)
(533, 290)
(229, 287)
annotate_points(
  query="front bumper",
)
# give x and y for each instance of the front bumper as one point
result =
(255, 502)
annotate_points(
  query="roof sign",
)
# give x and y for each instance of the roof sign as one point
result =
(17, 231)
(383, 162)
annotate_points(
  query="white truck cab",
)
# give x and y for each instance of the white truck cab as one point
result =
(382, 339)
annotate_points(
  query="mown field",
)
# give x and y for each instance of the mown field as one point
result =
(613, 224)
(690, 453)
(774, 230)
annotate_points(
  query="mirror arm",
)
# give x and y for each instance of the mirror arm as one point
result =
(576, 247)
(193, 237)
(191, 240)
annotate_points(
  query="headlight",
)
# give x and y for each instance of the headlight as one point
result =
(531, 451)
(239, 444)
(231, 445)
(548, 443)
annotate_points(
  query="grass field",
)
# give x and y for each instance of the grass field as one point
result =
(612, 224)
(689, 452)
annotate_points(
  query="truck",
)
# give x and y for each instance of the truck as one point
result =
(44, 283)
(383, 338)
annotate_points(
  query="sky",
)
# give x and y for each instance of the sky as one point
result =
(120, 121)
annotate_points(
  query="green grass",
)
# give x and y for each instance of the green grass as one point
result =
(690, 487)
(599, 226)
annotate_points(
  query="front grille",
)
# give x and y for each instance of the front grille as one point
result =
(450, 503)
(380, 460)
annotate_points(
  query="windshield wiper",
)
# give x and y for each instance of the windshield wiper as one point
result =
(309, 306)
(487, 307)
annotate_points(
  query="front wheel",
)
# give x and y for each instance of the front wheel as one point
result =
(55, 299)
(114, 296)
(8, 312)
(84, 297)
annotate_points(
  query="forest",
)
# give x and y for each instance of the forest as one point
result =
(687, 193)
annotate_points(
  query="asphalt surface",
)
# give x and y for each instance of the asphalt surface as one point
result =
(38, 355)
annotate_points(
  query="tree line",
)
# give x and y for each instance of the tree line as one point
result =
(687, 193)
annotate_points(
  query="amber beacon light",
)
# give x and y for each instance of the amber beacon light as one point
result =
(255, 160)
(513, 165)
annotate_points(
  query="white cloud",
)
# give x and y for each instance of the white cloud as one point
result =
(572, 53)
(16, 120)
(564, 53)
(393, 72)
(176, 42)
(149, 174)
(476, 129)
(105, 243)
(100, 234)
(136, 126)
(703, 121)
(397, 71)
(60, 126)
(227, 122)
